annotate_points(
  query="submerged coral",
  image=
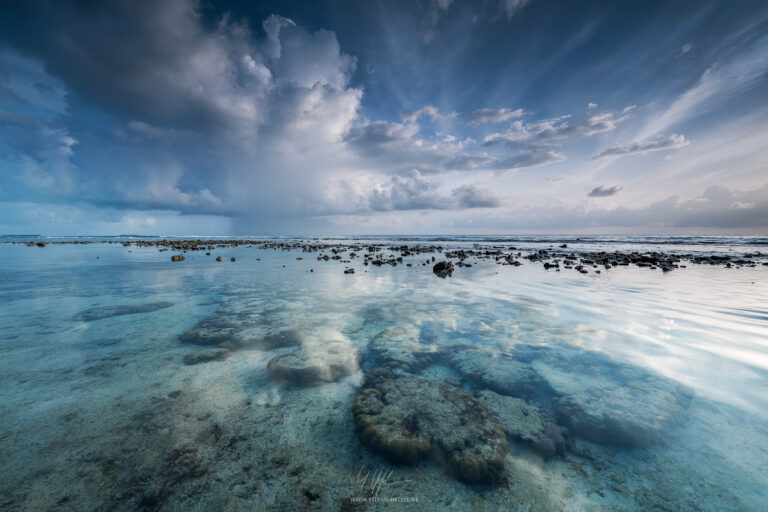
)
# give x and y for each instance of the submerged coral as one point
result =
(401, 347)
(498, 371)
(412, 419)
(97, 313)
(314, 362)
(526, 422)
(597, 398)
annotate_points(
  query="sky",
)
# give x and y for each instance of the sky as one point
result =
(187, 117)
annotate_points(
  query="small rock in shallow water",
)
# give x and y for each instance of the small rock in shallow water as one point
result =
(443, 269)
(412, 419)
(177, 257)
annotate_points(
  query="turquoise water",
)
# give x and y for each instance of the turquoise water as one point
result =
(108, 414)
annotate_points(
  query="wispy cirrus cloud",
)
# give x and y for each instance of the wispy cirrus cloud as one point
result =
(491, 115)
(660, 143)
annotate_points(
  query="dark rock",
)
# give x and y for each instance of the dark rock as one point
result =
(443, 269)
(177, 257)
(219, 258)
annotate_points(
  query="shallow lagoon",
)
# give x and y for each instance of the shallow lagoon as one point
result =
(105, 414)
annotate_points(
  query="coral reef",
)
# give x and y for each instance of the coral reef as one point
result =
(410, 419)
(315, 362)
(525, 422)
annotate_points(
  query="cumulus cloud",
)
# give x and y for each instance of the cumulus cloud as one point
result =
(413, 192)
(603, 191)
(489, 115)
(558, 128)
(659, 143)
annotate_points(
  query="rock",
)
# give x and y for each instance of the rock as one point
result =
(607, 402)
(401, 347)
(443, 269)
(232, 259)
(177, 257)
(315, 362)
(98, 313)
(218, 258)
(524, 422)
(500, 372)
(349, 271)
(204, 357)
(408, 420)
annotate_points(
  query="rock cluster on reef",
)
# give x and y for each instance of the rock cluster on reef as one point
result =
(410, 419)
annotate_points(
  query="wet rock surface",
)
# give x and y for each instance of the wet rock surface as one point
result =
(524, 422)
(410, 419)
(100, 312)
(315, 362)
(443, 269)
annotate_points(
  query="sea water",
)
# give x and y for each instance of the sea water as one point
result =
(104, 414)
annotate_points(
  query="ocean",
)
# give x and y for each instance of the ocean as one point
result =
(279, 382)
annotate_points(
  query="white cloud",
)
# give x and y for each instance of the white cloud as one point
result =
(659, 143)
(511, 7)
(490, 115)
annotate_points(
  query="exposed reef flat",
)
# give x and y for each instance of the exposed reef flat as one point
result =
(99, 312)
(555, 256)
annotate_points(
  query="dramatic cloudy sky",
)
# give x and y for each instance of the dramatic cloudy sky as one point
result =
(422, 116)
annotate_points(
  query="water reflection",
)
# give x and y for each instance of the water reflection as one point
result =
(585, 382)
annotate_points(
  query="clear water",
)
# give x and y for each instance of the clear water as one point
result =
(105, 415)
